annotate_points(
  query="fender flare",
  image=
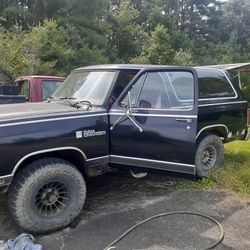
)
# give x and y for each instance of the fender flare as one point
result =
(213, 126)
(46, 151)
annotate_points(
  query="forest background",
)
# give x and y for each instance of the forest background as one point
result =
(52, 37)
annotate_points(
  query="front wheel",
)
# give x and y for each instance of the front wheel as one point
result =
(47, 195)
(209, 155)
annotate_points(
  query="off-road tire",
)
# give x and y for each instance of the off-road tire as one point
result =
(24, 188)
(213, 143)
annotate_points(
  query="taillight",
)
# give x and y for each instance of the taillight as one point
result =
(248, 117)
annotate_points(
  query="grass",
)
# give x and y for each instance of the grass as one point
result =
(235, 173)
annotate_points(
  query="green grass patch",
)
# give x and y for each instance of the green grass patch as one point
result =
(235, 173)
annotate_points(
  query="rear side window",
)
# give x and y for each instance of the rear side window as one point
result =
(49, 87)
(214, 84)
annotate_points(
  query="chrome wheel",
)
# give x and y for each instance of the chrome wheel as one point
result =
(209, 157)
(52, 198)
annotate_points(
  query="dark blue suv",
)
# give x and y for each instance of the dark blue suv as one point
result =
(107, 117)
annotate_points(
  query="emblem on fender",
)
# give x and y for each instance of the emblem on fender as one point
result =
(89, 133)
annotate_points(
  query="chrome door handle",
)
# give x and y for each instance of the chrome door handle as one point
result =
(188, 120)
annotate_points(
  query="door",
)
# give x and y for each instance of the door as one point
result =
(153, 123)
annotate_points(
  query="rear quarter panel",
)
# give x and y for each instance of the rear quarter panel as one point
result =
(232, 114)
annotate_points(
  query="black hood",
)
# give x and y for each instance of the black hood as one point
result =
(28, 110)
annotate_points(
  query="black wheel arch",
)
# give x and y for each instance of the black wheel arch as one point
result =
(220, 130)
(73, 155)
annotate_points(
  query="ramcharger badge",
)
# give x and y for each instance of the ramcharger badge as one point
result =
(89, 133)
(92, 132)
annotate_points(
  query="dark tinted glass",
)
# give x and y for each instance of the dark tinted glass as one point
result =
(213, 84)
(123, 80)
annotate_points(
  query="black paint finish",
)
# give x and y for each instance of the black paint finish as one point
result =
(22, 137)
(167, 142)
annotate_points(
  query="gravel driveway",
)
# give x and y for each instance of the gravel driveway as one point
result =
(117, 201)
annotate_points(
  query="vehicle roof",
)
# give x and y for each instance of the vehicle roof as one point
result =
(243, 67)
(123, 66)
(200, 68)
(137, 67)
(38, 76)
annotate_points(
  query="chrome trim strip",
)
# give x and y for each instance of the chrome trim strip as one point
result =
(185, 110)
(221, 98)
(155, 115)
(46, 151)
(222, 103)
(46, 115)
(162, 165)
(213, 126)
(151, 109)
(50, 120)
(150, 160)
(102, 160)
(6, 180)
(98, 158)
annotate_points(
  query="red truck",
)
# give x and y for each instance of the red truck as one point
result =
(38, 88)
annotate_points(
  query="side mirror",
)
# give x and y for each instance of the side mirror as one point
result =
(124, 104)
(144, 104)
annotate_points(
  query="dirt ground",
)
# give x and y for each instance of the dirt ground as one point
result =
(116, 202)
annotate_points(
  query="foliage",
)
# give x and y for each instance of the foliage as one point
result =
(80, 32)
(126, 35)
(19, 55)
(157, 49)
(44, 49)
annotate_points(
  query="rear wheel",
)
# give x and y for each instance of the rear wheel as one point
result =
(209, 155)
(47, 195)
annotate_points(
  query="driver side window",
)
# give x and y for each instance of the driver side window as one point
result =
(153, 94)
(163, 90)
(149, 92)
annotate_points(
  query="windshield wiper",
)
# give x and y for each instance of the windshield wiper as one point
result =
(59, 98)
(77, 104)
(49, 99)
(66, 98)
(84, 102)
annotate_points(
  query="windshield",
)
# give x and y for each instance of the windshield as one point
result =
(92, 86)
